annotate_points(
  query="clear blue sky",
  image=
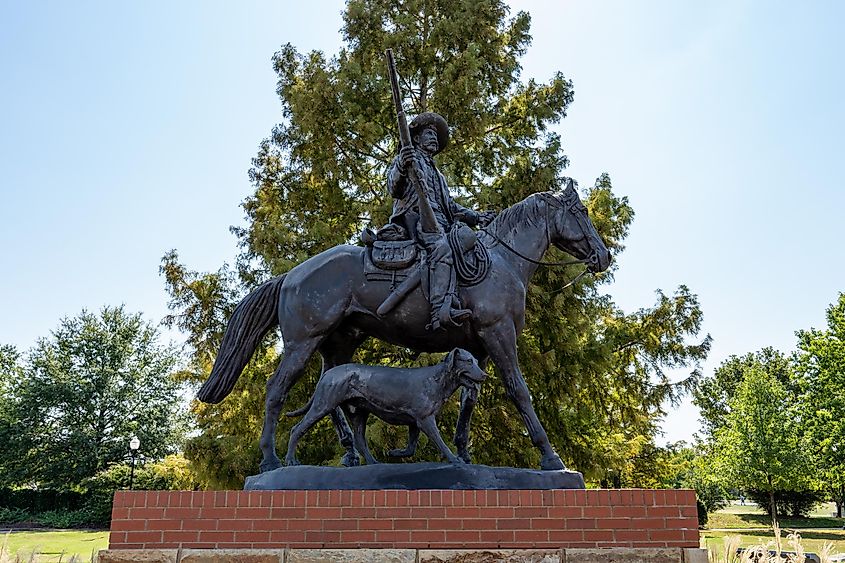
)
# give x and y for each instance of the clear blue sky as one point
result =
(128, 129)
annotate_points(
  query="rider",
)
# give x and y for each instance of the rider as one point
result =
(430, 134)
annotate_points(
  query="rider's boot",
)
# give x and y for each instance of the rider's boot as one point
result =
(442, 295)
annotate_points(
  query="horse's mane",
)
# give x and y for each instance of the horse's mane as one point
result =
(530, 210)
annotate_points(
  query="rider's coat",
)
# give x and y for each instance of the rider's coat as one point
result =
(406, 202)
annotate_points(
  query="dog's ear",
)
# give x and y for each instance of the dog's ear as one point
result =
(450, 360)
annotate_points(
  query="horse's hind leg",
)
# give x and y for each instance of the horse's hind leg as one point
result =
(289, 371)
(338, 349)
(411, 448)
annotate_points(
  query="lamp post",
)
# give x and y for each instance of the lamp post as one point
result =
(134, 444)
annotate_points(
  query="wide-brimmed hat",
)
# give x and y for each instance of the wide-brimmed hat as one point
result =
(436, 120)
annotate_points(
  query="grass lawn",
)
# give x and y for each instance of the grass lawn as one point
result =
(737, 516)
(740, 519)
(52, 544)
(812, 540)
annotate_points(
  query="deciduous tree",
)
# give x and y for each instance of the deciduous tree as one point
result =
(79, 395)
(760, 445)
(821, 378)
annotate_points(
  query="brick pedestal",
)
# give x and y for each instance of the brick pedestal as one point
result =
(398, 519)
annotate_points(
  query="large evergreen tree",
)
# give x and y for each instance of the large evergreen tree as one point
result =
(596, 374)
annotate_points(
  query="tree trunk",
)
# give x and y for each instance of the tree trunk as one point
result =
(840, 501)
(774, 506)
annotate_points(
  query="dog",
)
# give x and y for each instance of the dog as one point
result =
(402, 396)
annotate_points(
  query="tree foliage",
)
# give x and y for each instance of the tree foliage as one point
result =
(713, 394)
(760, 446)
(597, 374)
(821, 380)
(71, 407)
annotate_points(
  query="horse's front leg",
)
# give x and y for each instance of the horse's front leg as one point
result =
(287, 374)
(500, 342)
(469, 397)
(336, 350)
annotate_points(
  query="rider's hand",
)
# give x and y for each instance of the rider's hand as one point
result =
(486, 217)
(406, 158)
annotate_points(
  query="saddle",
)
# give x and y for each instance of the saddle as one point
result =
(392, 256)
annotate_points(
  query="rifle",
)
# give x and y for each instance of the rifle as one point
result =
(427, 220)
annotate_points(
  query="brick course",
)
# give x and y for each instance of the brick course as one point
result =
(515, 519)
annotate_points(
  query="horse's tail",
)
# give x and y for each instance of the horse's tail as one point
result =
(301, 410)
(252, 319)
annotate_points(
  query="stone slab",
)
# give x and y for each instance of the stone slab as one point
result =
(412, 476)
(137, 556)
(232, 556)
(695, 555)
(489, 556)
(625, 555)
(351, 556)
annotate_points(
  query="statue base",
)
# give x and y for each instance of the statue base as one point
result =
(412, 476)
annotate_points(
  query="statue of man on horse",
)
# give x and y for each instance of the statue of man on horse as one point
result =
(329, 304)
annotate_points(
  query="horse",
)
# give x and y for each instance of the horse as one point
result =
(325, 304)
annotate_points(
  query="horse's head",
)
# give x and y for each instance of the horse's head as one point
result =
(571, 230)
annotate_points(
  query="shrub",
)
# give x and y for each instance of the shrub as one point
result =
(65, 518)
(41, 500)
(13, 515)
(796, 504)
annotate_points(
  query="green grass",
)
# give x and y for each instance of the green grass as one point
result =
(53, 544)
(812, 541)
(750, 516)
(738, 520)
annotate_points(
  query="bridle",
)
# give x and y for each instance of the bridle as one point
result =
(579, 217)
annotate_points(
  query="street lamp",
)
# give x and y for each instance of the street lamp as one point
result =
(134, 444)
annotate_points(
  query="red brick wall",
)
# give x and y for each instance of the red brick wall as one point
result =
(404, 519)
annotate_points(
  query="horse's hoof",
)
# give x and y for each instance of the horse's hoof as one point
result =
(270, 465)
(291, 462)
(350, 459)
(552, 463)
(464, 455)
(457, 461)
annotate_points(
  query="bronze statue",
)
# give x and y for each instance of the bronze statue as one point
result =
(334, 301)
(408, 396)
(327, 304)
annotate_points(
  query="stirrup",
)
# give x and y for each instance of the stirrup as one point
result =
(449, 317)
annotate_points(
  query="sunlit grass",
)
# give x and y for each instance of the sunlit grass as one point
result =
(52, 546)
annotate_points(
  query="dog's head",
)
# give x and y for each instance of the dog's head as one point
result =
(464, 367)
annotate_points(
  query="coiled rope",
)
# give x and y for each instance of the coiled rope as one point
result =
(469, 271)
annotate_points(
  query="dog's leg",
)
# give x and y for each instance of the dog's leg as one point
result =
(359, 431)
(413, 439)
(429, 427)
(312, 417)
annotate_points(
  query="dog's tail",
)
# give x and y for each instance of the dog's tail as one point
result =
(301, 410)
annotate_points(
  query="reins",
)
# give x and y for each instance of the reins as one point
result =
(527, 259)
(543, 263)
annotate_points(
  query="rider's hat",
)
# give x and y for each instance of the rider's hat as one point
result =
(436, 120)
